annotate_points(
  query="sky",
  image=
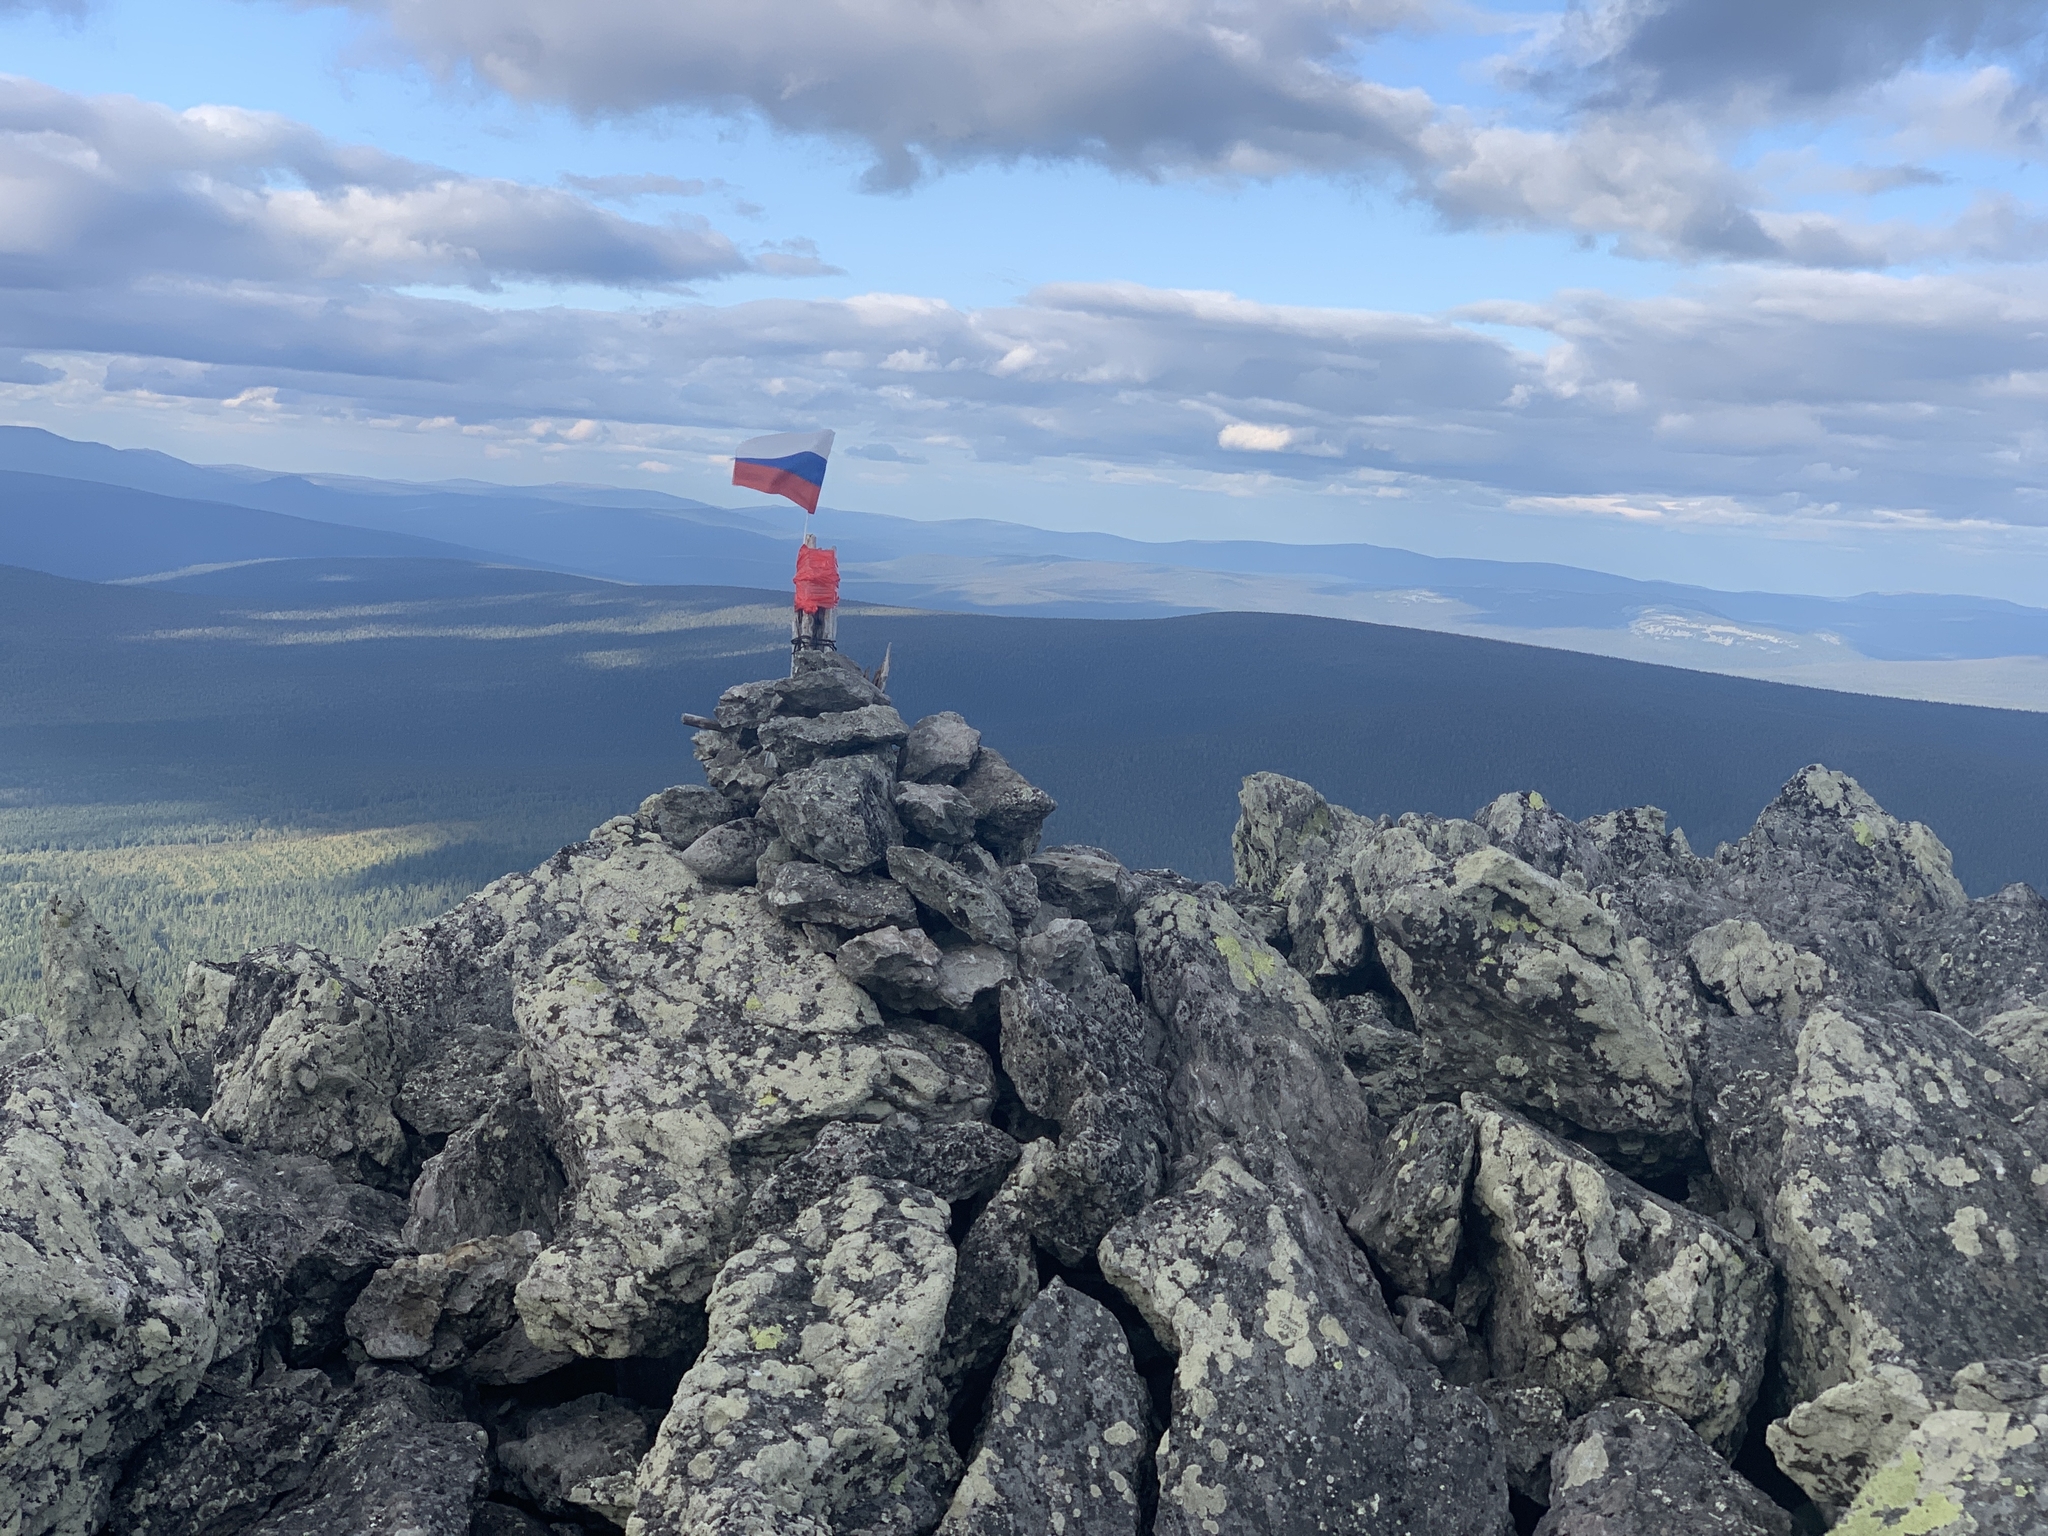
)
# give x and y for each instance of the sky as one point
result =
(1741, 293)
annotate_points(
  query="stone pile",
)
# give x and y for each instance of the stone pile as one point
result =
(814, 1152)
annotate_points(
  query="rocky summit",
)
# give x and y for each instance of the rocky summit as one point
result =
(814, 1152)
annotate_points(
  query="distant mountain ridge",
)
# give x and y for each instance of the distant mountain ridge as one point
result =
(1946, 648)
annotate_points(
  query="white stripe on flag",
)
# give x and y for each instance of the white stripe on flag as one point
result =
(780, 445)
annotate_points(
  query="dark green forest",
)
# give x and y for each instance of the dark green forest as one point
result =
(325, 749)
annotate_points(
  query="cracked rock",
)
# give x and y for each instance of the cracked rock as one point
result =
(940, 749)
(103, 1020)
(579, 1455)
(1412, 1220)
(1009, 810)
(955, 1162)
(681, 815)
(432, 1310)
(811, 893)
(799, 741)
(495, 1177)
(837, 812)
(938, 813)
(1633, 1467)
(974, 908)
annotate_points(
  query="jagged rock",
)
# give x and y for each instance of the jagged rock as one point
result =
(1065, 1439)
(1533, 1424)
(1384, 1057)
(898, 966)
(1749, 972)
(799, 741)
(1634, 1467)
(432, 1310)
(1018, 889)
(1653, 879)
(974, 908)
(494, 1177)
(1602, 1289)
(510, 1359)
(1248, 1050)
(402, 1461)
(823, 683)
(2020, 1036)
(307, 1063)
(937, 813)
(1087, 883)
(579, 1455)
(1528, 991)
(837, 812)
(202, 1014)
(1989, 958)
(297, 1242)
(814, 1407)
(673, 1054)
(940, 749)
(685, 813)
(1074, 1042)
(1413, 1217)
(109, 1275)
(24, 1035)
(103, 1020)
(231, 1454)
(1527, 826)
(997, 1272)
(730, 854)
(1295, 1404)
(811, 893)
(1961, 1470)
(1009, 809)
(741, 774)
(1435, 1330)
(1295, 848)
(955, 1162)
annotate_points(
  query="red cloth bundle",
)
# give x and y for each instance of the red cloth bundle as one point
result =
(817, 579)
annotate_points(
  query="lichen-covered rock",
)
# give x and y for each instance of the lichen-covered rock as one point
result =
(1249, 1050)
(579, 1455)
(1602, 1289)
(1009, 810)
(1085, 883)
(1533, 1423)
(996, 1274)
(974, 908)
(297, 1242)
(1295, 848)
(1528, 991)
(1412, 1220)
(496, 1176)
(1296, 1407)
(1982, 1470)
(940, 749)
(1988, 958)
(1074, 1042)
(1067, 1432)
(1384, 1056)
(432, 1310)
(676, 1058)
(1630, 1468)
(740, 771)
(2021, 1037)
(800, 892)
(800, 740)
(730, 854)
(821, 683)
(814, 1408)
(1527, 826)
(402, 1461)
(684, 813)
(109, 1275)
(837, 812)
(955, 1162)
(103, 1020)
(308, 1063)
(1748, 972)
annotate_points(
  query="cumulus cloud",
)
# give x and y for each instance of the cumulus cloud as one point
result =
(95, 189)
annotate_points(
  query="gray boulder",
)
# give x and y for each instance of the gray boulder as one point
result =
(730, 854)
(814, 1407)
(974, 908)
(823, 683)
(433, 1310)
(1086, 883)
(940, 749)
(109, 1275)
(938, 813)
(811, 893)
(897, 966)
(1602, 1289)
(996, 1273)
(741, 773)
(1962, 1469)
(799, 741)
(1527, 826)
(103, 1020)
(955, 1162)
(1988, 958)
(2021, 1037)
(1533, 1424)
(308, 1063)
(837, 812)
(1412, 1220)
(578, 1456)
(1249, 1050)
(685, 813)
(1067, 1434)
(496, 1176)
(1633, 1467)
(1384, 1056)
(1009, 810)
(1296, 1406)
(1294, 848)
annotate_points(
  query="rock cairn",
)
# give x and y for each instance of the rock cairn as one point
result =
(813, 1152)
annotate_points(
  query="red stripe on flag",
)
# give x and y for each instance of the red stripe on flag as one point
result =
(776, 482)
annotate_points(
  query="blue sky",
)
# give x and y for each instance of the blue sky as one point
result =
(1725, 292)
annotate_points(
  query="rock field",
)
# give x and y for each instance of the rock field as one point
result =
(813, 1152)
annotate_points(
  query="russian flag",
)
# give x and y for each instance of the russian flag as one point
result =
(788, 464)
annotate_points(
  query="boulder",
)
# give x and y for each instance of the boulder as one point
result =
(1533, 1423)
(741, 774)
(1527, 826)
(1987, 958)
(1296, 1406)
(1961, 1470)
(730, 854)
(996, 1273)
(811, 893)
(308, 1063)
(799, 741)
(1632, 1467)
(433, 1310)
(1384, 1056)
(938, 813)
(202, 1014)
(2021, 1037)
(1294, 848)
(103, 1020)
(1602, 1289)
(109, 1275)
(837, 812)
(1527, 990)
(1009, 810)
(974, 908)
(814, 1407)
(676, 1059)
(955, 1162)
(297, 1242)
(1412, 1219)
(578, 1456)
(822, 683)
(498, 1175)
(685, 813)
(1249, 1051)
(940, 749)
(1748, 972)
(1067, 1434)
(897, 966)
(1086, 883)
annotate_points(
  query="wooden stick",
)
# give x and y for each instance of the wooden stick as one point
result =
(701, 722)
